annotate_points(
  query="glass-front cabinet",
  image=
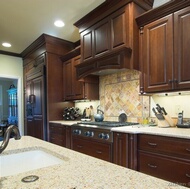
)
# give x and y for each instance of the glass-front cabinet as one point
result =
(13, 106)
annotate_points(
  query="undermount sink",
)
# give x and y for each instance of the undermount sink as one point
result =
(20, 162)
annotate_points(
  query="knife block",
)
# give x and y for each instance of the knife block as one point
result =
(163, 123)
(169, 120)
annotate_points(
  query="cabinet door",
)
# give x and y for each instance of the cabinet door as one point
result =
(73, 89)
(157, 55)
(101, 38)
(77, 86)
(120, 156)
(119, 29)
(87, 45)
(181, 48)
(67, 77)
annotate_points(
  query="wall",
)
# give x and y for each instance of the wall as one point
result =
(173, 103)
(12, 67)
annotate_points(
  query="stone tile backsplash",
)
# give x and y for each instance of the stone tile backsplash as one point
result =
(120, 92)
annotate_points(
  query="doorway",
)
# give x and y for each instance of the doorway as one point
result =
(5, 83)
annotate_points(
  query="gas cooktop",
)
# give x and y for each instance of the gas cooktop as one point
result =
(108, 123)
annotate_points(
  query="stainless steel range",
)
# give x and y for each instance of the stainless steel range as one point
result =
(98, 130)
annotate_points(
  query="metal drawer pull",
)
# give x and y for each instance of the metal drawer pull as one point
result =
(187, 175)
(152, 144)
(187, 149)
(79, 146)
(152, 166)
(99, 152)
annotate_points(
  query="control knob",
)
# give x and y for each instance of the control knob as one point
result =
(106, 136)
(77, 131)
(103, 136)
(89, 133)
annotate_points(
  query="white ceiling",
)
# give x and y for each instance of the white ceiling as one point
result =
(23, 21)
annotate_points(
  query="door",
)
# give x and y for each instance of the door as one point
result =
(158, 55)
(181, 48)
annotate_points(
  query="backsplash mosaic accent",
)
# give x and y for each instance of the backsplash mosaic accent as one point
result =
(120, 92)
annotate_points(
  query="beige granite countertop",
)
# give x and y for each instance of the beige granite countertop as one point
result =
(78, 171)
(63, 122)
(168, 131)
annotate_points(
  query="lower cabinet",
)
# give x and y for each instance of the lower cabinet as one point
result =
(93, 148)
(125, 150)
(60, 134)
(167, 158)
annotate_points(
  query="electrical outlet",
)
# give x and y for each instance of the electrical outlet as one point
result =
(177, 109)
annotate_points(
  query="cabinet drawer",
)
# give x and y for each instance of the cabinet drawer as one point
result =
(57, 140)
(165, 145)
(166, 168)
(99, 150)
(57, 129)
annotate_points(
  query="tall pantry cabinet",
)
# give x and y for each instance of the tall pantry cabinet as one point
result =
(43, 81)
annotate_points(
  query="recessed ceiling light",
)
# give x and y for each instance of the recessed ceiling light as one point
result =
(6, 44)
(59, 23)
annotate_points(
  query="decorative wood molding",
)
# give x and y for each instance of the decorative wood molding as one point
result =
(161, 11)
(10, 54)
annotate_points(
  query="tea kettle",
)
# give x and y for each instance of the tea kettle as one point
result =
(99, 117)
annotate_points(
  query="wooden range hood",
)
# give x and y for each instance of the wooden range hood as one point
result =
(110, 37)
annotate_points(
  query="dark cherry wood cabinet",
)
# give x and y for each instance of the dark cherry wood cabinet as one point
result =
(109, 37)
(181, 52)
(93, 148)
(164, 49)
(125, 150)
(74, 89)
(60, 134)
(158, 55)
(43, 83)
(165, 157)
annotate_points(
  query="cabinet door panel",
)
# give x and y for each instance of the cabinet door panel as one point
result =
(77, 86)
(118, 24)
(86, 42)
(181, 48)
(38, 127)
(120, 156)
(38, 92)
(101, 38)
(157, 56)
(67, 76)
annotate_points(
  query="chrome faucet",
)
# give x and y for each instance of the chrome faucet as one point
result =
(10, 129)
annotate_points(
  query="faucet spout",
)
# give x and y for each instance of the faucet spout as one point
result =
(10, 129)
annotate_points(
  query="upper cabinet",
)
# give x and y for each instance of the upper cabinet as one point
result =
(164, 43)
(109, 37)
(74, 89)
